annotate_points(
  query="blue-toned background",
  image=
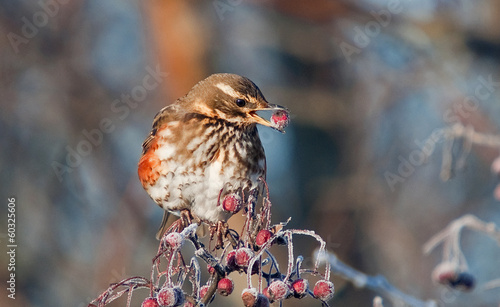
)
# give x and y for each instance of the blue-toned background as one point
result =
(367, 81)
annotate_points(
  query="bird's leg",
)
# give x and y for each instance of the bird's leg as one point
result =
(221, 233)
(219, 230)
(186, 218)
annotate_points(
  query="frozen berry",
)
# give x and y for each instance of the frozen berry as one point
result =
(225, 286)
(444, 272)
(170, 297)
(280, 120)
(175, 240)
(262, 237)
(262, 301)
(189, 304)
(278, 290)
(249, 297)
(243, 256)
(232, 203)
(266, 292)
(323, 290)
(150, 302)
(449, 274)
(299, 287)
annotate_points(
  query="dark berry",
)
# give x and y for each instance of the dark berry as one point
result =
(170, 297)
(299, 287)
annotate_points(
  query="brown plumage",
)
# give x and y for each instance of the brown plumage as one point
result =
(204, 146)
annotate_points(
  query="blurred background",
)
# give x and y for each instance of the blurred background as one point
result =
(367, 82)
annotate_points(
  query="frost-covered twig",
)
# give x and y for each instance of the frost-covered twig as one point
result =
(114, 291)
(452, 233)
(490, 285)
(379, 283)
(453, 269)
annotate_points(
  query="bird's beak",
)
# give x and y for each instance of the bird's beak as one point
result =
(264, 122)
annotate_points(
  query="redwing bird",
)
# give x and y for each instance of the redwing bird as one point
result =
(205, 146)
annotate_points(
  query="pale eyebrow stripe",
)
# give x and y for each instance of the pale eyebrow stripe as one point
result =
(228, 90)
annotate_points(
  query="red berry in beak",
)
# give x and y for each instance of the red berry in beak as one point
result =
(280, 120)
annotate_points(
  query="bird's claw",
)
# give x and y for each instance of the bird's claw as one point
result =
(186, 218)
(219, 230)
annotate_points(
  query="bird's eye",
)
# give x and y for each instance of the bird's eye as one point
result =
(240, 102)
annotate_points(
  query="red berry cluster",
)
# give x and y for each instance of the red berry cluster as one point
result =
(251, 248)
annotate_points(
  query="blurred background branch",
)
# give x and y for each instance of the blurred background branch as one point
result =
(367, 82)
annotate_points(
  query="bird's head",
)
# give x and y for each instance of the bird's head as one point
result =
(232, 98)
